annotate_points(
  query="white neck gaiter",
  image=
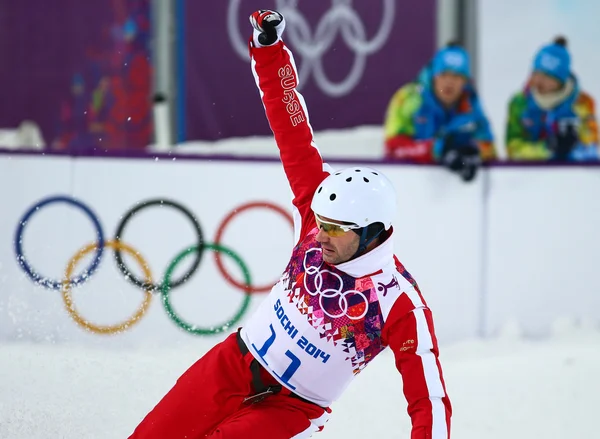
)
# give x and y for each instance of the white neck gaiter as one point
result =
(551, 100)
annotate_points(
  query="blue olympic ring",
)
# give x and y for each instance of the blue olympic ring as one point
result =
(42, 280)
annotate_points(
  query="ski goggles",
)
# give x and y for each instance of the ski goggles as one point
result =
(334, 229)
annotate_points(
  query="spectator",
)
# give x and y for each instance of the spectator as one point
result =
(438, 118)
(552, 119)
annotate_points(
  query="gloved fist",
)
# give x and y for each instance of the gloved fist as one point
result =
(268, 27)
(563, 141)
(464, 159)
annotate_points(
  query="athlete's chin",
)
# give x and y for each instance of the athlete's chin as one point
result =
(333, 259)
(330, 258)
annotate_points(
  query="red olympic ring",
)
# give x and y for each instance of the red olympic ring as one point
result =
(221, 230)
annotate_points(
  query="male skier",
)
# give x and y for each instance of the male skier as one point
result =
(343, 298)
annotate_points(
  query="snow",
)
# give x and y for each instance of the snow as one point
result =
(363, 142)
(502, 388)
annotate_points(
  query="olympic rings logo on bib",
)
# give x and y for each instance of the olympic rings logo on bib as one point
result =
(147, 283)
(314, 280)
(340, 19)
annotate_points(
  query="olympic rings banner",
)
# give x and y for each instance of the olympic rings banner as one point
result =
(130, 252)
(137, 251)
(146, 284)
(169, 257)
(351, 55)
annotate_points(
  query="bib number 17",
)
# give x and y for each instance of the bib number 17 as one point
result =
(292, 368)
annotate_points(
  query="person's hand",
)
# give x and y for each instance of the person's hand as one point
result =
(268, 26)
(462, 158)
(563, 141)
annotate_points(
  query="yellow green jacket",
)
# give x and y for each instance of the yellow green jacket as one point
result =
(529, 126)
(416, 120)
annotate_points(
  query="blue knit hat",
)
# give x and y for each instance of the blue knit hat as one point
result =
(453, 59)
(554, 60)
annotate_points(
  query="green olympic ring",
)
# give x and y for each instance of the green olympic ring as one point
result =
(195, 329)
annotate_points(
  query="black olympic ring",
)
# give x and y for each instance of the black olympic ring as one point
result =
(155, 287)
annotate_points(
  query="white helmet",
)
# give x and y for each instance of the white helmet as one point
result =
(356, 195)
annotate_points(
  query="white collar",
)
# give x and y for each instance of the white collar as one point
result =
(551, 100)
(371, 262)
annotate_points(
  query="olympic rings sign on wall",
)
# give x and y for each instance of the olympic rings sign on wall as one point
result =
(147, 284)
(340, 19)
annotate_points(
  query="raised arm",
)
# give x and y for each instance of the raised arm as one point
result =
(277, 80)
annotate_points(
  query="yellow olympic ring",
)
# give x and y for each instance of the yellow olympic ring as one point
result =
(68, 299)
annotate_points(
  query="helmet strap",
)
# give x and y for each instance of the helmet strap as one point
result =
(367, 236)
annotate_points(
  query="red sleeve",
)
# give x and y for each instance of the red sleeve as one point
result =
(277, 78)
(403, 147)
(412, 339)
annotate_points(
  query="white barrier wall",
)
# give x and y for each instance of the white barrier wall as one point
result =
(543, 247)
(448, 234)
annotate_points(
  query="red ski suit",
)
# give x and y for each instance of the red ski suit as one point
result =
(208, 400)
